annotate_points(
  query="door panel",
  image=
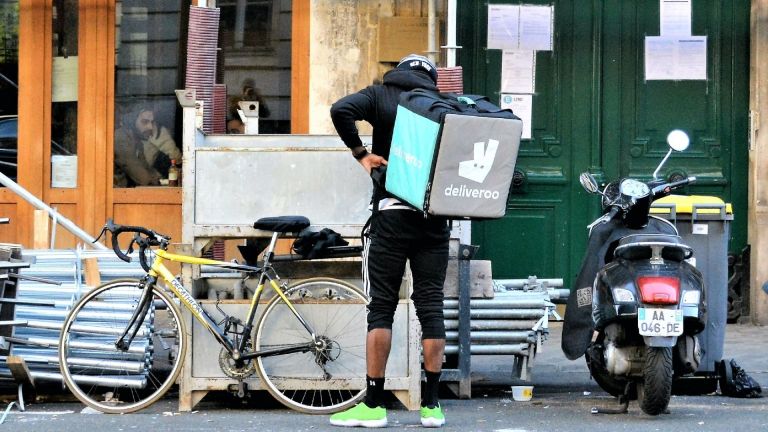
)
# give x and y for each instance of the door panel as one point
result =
(593, 110)
(535, 235)
(636, 115)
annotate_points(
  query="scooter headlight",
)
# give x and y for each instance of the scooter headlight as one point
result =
(621, 295)
(691, 297)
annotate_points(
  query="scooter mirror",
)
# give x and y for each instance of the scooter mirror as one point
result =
(678, 140)
(588, 182)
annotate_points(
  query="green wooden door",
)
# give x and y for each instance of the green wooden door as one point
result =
(593, 110)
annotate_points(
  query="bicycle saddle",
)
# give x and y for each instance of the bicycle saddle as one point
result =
(282, 224)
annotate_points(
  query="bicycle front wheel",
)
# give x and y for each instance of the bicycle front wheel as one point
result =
(114, 380)
(330, 376)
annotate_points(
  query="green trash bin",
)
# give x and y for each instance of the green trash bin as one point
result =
(703, 223)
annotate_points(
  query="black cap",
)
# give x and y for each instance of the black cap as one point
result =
(418, 62)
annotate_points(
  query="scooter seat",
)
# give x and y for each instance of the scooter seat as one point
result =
(639, 246)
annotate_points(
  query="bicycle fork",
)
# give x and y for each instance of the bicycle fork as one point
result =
(139, 314)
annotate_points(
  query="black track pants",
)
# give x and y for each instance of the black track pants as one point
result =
(394, 237)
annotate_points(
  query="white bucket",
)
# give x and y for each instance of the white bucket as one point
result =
(522, 393)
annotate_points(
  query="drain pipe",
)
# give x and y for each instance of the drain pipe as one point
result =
(451, 47)
(432, 31)
(37, 203)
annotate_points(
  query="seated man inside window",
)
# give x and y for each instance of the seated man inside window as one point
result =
(143, 150)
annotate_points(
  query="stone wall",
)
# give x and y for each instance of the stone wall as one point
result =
(344, 50)
(758, 162)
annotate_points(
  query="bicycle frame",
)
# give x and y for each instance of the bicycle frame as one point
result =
(159, 270)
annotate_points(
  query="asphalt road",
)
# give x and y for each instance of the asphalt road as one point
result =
(493, 410)
(563, 396)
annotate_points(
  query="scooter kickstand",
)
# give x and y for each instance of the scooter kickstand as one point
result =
(623, 400)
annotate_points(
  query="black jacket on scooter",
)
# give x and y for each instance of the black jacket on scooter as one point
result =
(578, 324)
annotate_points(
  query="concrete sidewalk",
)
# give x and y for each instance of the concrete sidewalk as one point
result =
(747, 344)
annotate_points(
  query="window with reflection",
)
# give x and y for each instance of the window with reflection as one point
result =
(148, 70)
(9, 89)
(64, 94)
(255, 39)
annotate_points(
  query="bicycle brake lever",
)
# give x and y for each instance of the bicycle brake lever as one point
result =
(102, 233)
(130, 246)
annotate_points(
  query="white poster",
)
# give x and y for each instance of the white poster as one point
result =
(63, 171)
(536, 28)
(522, 106)
(503, 26)
(64, 79)
(675, 17)
(518, 71)
(676, 58)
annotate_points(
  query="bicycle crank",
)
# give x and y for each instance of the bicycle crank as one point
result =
(240, 370)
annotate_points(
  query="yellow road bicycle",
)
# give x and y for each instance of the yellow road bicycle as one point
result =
(123, 343)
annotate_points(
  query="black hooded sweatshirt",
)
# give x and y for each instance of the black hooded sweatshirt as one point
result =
(376, 104)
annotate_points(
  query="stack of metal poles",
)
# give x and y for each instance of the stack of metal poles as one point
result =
(40, 309)
(515, 322)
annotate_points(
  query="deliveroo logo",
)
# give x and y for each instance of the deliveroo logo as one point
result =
(477, 169)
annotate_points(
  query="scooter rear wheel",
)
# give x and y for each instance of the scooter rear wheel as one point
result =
(656, 390)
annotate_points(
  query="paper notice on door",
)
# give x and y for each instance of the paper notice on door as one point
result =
(675, 17)
(518, 70)
(536, 28)
(64, 79)
(503, 26)
(63, 171)
(676, 58)
(522, 106)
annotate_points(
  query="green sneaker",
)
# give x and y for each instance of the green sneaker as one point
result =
(361, 415)
(432, 417)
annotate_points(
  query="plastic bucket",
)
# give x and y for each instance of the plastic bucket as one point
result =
(522, 393)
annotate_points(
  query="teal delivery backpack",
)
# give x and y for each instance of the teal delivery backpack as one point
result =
(453, 156)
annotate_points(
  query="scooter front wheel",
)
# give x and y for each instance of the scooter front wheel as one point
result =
(656, 389)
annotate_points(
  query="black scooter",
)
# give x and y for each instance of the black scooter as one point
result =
(638, 303)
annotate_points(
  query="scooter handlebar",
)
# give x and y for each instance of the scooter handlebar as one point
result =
(666, 188)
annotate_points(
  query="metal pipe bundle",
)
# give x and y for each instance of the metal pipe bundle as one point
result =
(514, 323)
(41, 308)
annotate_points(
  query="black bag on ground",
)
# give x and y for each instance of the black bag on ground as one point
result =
(735, 382)
(315, 244)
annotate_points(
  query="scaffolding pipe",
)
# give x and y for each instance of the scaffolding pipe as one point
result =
(497, 313)
(493, 336)
(522, 283)
(501, 303)
(138, 382)
(492, 325)
(53, 214)
(115, 365)
(514, 349)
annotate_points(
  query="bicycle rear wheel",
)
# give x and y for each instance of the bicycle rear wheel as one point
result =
(331, 376)
(115, 380)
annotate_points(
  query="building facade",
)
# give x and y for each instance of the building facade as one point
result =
(80, 73)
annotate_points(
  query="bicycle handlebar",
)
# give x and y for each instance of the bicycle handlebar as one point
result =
(143, 237)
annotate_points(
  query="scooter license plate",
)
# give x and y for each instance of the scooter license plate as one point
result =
(660, 322)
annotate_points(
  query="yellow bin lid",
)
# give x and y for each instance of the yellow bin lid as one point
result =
(684, 204)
